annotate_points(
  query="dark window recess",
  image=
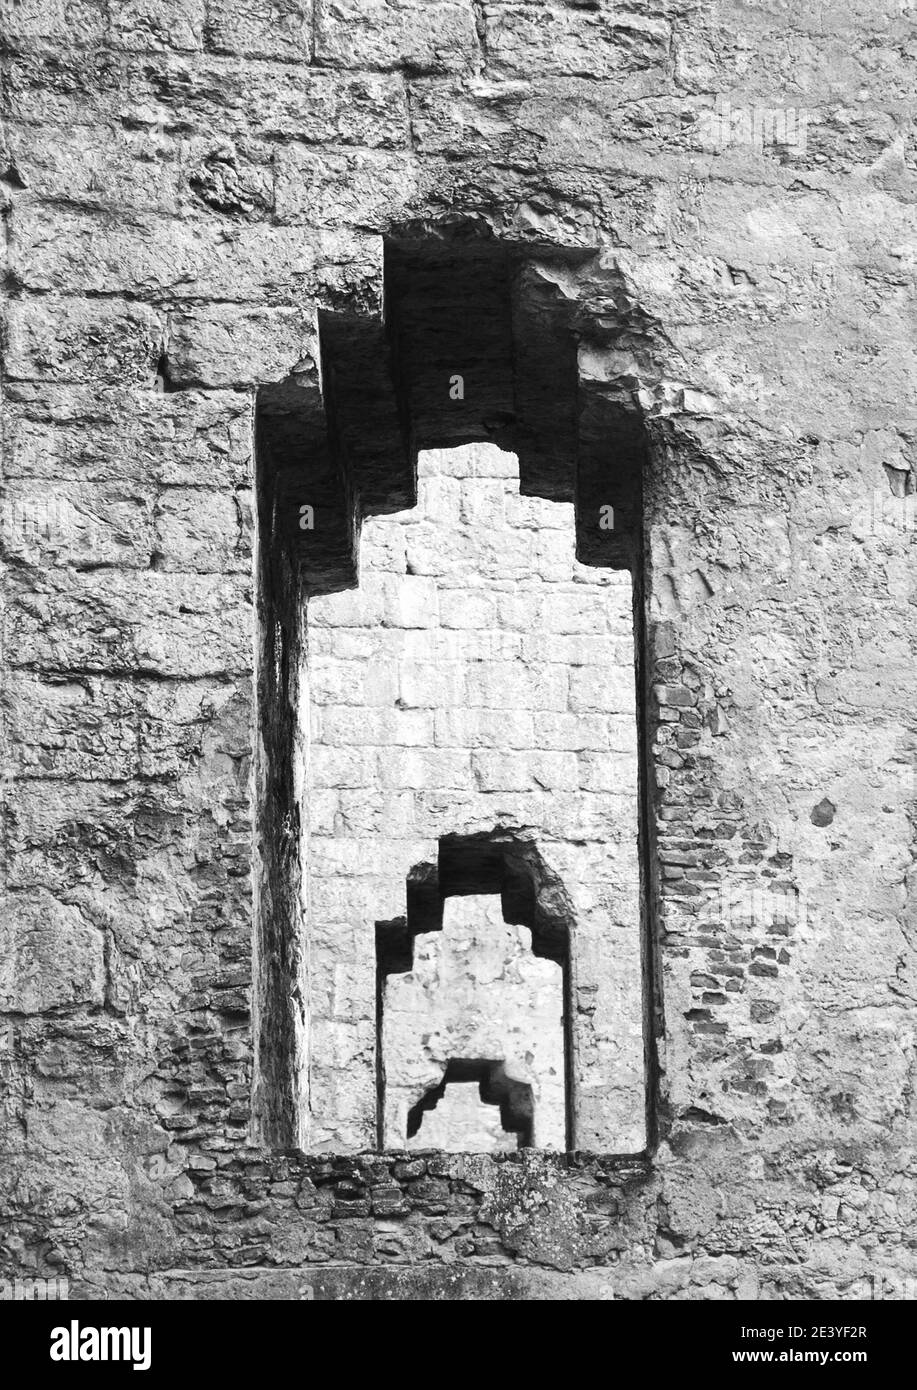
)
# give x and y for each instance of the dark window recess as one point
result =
(517, 1107)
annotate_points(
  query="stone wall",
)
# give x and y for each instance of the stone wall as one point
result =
(187, 191)
(476, 992)
(480, 679)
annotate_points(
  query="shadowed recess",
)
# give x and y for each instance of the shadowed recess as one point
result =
(517, 1106)
(498, 862)
(337, 442)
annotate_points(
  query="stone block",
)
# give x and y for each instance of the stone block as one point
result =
(425, 685)
(411, 601)
(364, 188)
(48, 523)
(424, 769)
(62, 339)
(342, 767)
(84, 165)
(204, 531)
(52, 955)
(501, 772)
(380, 728)
(573, 732)
(60, 20)
(225, 345)
(606, 690)
(175, 25)
(438, 37)
(141, 621)
(574, 614)
(246, 28)
(485, 728)
(88, 434)
(469, 608)
(522, 39)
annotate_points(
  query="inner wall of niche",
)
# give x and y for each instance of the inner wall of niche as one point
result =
(480, 680)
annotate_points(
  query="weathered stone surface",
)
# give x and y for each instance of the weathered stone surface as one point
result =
(87, 435)
(475, 990)
(231, 345)
(407, 690)
(52, 955)
(217, 98)
(439, 37)
(78, 340)
(177, 25)
(284, 32)
(142, 621)
(186, 188)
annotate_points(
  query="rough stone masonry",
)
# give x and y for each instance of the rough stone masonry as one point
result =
(246, 253)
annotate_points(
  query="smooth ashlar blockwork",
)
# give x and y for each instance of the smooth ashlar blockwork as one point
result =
(480, 681)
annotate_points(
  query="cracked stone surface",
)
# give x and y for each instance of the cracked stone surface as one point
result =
(189, 194)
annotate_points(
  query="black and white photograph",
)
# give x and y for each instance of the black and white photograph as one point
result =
(458, 670)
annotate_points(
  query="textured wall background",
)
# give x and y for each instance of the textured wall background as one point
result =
(195, 182)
